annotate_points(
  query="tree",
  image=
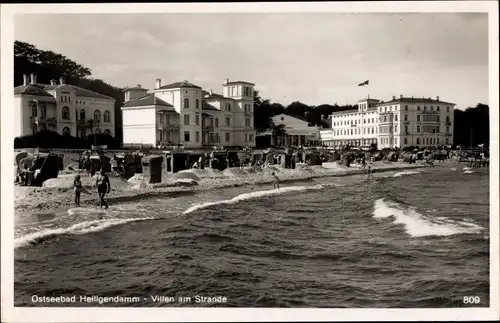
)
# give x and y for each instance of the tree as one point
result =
(262, 113)
(279, 134)
(472, 126)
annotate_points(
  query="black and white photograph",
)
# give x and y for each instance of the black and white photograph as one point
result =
(257, 156)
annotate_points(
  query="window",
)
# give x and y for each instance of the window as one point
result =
(34, 110)
(228, 107)
(228, 121)
(66, 131)
(216, 122)
(395, 128)
(385, 109)
(406, 117)
(437, 143)
(107, 116)
(186, 136)
(65, 113)
(282, 119)
(197, 104)
(197, 136)
(425, 108)
(437, 108)
(43, 111)
(197, 119)
(250, 138)
(447, 109)
(406, 129)
(418, 117)
(186, 119)
(246, 138)
(418, 128)
(447, 141)
(247, 122)
(418, 141)
(396, 141)
(406, 141)
(447, 118)
(395, 117)
(82, 114)
(432, 108)
(448, 129)
(438, 119)
(186, 103)
(227, 137)
(97, 116)
(406, 108)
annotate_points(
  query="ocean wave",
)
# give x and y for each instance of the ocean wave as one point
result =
(79, 228)
(406, 172)
(468, 172)
(254, 195)
(418, 225)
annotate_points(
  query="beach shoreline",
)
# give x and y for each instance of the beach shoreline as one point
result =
(29, 200)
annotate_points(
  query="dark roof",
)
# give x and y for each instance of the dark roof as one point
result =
(41, 89)
(146, 100)
(208, 106)
(413, 100)
(293, 116)
(31, 89)
(239, 82)
(178, 85)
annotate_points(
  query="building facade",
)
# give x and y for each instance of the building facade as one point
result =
(62, 108)
(184, 114)
(400, 122)
(297, 132)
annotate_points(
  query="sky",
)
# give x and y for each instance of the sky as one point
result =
(315, 58)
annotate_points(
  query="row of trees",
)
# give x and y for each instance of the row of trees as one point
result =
(472, 126)
(49, 65)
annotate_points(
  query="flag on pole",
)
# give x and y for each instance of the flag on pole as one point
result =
(364, 83)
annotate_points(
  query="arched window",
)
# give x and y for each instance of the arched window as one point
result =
(34, 110)
(97, 116)
(107, 132)
(43, 111)
(197, 104)
(66, 131)
(65, 113)
(107, 116)
(97, 131)
(82, 114)
(186, 103)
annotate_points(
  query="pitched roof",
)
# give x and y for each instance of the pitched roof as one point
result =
(134, 88)
(178, 85)
(41, 89)
(208, 106)
(239, 82)
(293, 116)
(413, 100)
(31, 89)
(146, 100)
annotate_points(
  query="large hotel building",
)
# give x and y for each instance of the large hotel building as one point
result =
(400, 122)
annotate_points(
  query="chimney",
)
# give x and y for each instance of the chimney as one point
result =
(33, 78)
(25, 79)
(437, 98)
(211, 92)
(226, 81)
(401, 96)
(158, 83)
(394, 97)
(53, 82)
(61, 80)
(139, 86)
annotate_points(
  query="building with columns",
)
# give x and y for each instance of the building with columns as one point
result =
(182, 113)
(63, 108)
(400, 122)
(298, 132)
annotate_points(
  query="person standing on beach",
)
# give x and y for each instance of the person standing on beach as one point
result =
(77, 186)
(276, 183)
(369, 173)
(103, 187)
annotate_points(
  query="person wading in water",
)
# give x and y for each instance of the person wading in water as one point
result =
(77, 184)
(276, 183)
(103, 187)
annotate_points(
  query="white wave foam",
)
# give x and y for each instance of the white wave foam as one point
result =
(254, 195)
(79, 228)
(86, 211)
(406, 172)
(453, 169)
(468, 172)
(466, 168)
(418, 225)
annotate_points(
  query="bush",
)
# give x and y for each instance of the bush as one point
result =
(50, 139)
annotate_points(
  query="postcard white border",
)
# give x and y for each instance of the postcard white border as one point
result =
(17, 314)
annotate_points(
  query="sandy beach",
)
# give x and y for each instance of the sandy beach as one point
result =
(57, 194)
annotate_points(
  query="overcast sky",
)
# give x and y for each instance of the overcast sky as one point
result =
(313, 58)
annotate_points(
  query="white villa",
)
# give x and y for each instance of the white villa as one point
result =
(400, 122)
(298, 132)
(182, 113)
(60, 107)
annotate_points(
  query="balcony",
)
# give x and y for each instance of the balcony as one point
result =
(430, 112)
(448, 123)
(448, 134)
(248, 114)
(208, 127)
(168, 127)
(44, 120)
